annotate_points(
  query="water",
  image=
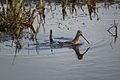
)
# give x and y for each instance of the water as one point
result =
(100, 62)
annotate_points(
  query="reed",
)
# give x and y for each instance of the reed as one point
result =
(14, 19)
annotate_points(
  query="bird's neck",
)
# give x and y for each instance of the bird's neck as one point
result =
(76, 38)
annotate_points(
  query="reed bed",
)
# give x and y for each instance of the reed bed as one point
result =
(17, 22)
(14, 19)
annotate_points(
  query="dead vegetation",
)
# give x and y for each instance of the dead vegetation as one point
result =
(114, 32)
(17, 22)
(14, 19)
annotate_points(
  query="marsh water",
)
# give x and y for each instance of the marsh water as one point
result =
(101, 60)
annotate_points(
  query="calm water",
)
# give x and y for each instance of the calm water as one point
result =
(42, 62)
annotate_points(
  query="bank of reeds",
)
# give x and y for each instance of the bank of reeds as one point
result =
(14, 19)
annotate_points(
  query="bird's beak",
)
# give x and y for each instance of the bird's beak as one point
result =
(85, 39)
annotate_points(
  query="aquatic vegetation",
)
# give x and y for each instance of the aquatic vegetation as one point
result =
(17, 22)
(14, 20)
(113, 33)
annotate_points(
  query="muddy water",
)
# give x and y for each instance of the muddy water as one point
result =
(45, 62)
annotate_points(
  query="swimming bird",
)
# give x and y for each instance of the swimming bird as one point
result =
(75, 41)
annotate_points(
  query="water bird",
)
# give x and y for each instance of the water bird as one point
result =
(75, 41)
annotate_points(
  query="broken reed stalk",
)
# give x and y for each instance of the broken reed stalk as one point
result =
(91, 7)
(116, 34)
(41, 11)
(51, 39)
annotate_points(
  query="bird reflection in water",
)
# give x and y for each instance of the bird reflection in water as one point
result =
(77, 51)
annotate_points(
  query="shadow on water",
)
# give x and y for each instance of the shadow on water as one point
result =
(52, 48)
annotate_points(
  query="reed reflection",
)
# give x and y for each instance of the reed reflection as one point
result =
(114, 33)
